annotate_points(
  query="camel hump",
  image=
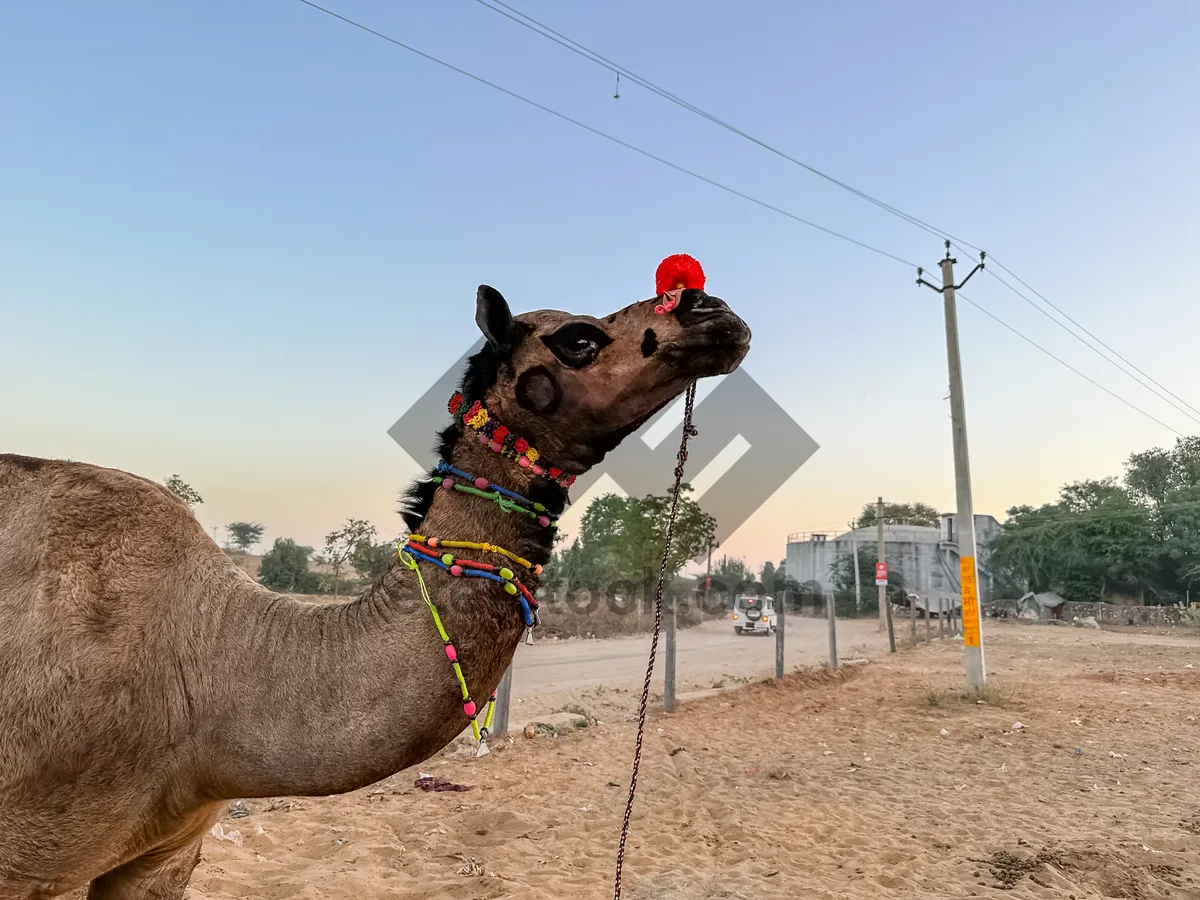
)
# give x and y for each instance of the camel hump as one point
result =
(89, 543)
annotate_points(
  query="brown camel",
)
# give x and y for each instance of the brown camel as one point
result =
(145, 681)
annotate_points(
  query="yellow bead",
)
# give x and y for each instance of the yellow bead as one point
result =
(506, 574)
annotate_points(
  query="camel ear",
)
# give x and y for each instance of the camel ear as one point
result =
(494, 318)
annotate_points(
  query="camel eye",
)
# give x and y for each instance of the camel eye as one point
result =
(577, 344)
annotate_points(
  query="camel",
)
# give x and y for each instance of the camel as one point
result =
(146, 681)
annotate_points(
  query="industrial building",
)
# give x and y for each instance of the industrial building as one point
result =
(925, 557)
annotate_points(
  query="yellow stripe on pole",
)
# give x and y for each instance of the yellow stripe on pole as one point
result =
(970, 601)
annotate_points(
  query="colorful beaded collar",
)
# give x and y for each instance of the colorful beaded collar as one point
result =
(421, 549)
(494, 435)
(509, 501)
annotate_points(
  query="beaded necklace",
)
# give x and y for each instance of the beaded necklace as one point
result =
(507, 500)
(468, 706)
(500, 440)
(420, 548)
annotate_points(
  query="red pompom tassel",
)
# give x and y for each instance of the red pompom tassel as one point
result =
(678, 271)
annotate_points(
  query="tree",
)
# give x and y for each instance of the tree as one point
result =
(620, 541)
(1096, 540)
(910, 513)
(285, 568)
(732, 573)
(371, 560)
(183, 491)
(244, 535)
(841, 576)
(767, 578)
(341, 544)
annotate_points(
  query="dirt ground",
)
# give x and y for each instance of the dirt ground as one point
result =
(1077, 778)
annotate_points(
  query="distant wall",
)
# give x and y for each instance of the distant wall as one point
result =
(1111, 614)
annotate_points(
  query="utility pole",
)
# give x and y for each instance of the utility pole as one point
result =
(857, 580)
(708, 569)
(968, 571)
(879, 556)
(885, 606)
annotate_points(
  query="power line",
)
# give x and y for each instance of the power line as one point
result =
(607, 136)
(1107, 359)
(1063, 362)
(526, 21)
(1039, 520)
(666, 162)
(1041, 297)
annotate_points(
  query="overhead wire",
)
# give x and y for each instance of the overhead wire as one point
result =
(1063, 362)
(529, 22)
(712, 182)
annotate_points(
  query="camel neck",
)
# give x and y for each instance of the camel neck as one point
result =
(366, 684)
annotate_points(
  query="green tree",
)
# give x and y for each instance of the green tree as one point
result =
(370, 560)
(244, 535)
(183, 491)
(342, 543)
(1097, 539)
(732, 574)
(285, 568)
(841, 576)
(910, 513)
(620, 541)
(767, 578)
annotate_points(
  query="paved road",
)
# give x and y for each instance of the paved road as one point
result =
(550, 670)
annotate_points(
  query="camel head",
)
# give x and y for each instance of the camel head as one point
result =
(574, 386)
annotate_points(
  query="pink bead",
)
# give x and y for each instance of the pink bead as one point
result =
(543, 521)
(451, 653)
(523, 462)
(484, 439)
(469, 707)
(497, 446)
(537, 469)
(448, 484)
(456, 570)
(481, 483)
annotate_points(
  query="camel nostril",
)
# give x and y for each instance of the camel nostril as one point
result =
(649, 343)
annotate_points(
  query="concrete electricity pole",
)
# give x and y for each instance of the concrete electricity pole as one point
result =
(881, 587)
(885, 605)
(857, 579)
(965, 519)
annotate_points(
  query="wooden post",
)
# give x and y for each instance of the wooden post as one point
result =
(669, 663)
(831, 616)
(941, 619)
(780, 624)
(928, 621)
(912, 617)
(503, 701)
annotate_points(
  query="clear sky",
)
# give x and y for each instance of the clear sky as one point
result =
(238, 239)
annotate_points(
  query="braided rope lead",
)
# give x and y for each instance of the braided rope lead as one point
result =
(688, 432)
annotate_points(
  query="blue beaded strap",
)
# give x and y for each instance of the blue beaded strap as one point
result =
(444, 468)
(530, 619)
(507, 500)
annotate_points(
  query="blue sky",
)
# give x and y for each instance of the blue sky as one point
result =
(237, 240)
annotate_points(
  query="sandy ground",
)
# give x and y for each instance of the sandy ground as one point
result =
(550, 674)
(1077, 779)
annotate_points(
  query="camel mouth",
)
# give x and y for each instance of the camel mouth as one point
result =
(715, 346)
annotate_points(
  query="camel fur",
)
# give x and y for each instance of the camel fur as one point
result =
(145, 680)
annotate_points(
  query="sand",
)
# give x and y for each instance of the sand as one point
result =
(1078, 779)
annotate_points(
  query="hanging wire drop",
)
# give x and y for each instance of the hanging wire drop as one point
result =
(688, 432)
